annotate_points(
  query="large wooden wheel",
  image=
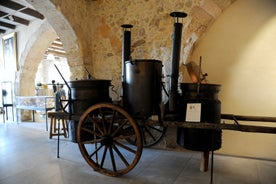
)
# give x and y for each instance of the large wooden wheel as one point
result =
(102, 132)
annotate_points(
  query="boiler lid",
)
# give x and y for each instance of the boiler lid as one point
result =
(202, 87)
(89, 83)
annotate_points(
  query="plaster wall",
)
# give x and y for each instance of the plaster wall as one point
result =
(23, 35)
(238, 53)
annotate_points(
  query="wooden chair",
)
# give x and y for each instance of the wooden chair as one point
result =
(7, 99)
(63, 126)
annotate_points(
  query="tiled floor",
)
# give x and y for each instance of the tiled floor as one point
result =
(28, 156)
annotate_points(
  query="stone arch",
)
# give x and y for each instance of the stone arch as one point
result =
(32, 55)
(54, 26)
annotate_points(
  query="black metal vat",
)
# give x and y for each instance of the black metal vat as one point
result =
(207, 96)
(86, 93)
(142, 87)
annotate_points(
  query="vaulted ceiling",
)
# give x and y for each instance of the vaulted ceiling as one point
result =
(13, 14)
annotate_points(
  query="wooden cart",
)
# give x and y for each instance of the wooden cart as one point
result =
(111, 142)
(111, 139)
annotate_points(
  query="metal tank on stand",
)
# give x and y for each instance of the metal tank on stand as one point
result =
(142, 95)
(199, 103)
(202, 97)
(81, 95)
(141, 81)
(86, 93)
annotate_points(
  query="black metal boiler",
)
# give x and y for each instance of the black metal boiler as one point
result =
(86, 93)
(142, 90)
(207, 96)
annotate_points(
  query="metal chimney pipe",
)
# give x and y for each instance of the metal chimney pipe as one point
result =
(176, 47)
(126, 51)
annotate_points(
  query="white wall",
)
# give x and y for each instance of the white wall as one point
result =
(239, 53)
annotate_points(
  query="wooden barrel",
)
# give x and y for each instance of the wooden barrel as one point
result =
(207, 108)
(86, 93)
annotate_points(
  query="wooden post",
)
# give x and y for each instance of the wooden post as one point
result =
(204, 161)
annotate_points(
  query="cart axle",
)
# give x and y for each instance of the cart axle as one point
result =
(107, 140)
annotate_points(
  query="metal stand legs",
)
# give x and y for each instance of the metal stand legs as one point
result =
(58, 138)
(212, 167)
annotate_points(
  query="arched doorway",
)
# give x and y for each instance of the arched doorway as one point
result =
(44, 36)
(53, 67)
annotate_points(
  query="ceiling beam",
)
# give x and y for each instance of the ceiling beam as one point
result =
(7, 25)
(17, 19)
(55, 53)
(2, 31)
(3, 14)
(23, 9)
(56, 50)
(57, 41)
(12, 5)
(57, 44)
(33, 13)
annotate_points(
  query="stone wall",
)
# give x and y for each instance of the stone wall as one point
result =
(97, 25)
(92, 35)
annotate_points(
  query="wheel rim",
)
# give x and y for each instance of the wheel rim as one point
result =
(102, 131)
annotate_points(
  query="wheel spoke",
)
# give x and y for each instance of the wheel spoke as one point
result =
(104, 155)
(91, 131)
(102, 115)
(123, 137)
(108, 126)
(125, 147)
(94, 152)
(92, 120)
(119, 128)
(144, 137)
(112, 159)
(120, 155)
(91, 141)
(149, 132)
(112, 122)
(156, 129)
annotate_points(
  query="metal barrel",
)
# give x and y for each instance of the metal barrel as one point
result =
(207, 96)
(142, 95)
(86, 93)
